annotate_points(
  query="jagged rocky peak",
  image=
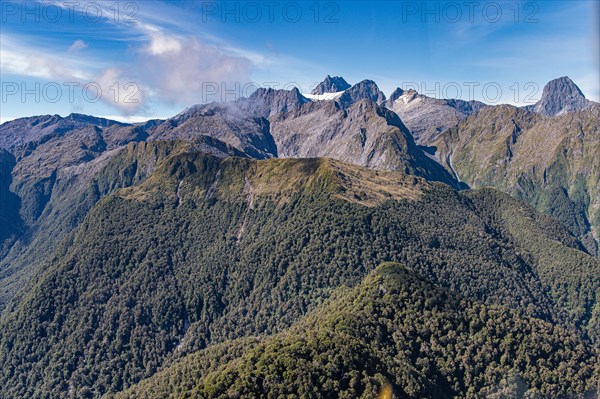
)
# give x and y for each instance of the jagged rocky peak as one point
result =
(268, 101)
(331, 85)
(427, 117)
(395, 95)
(367, 90)
(559, 96)
(271, 94)
(405, 95)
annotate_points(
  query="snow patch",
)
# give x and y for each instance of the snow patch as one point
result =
(324, 96)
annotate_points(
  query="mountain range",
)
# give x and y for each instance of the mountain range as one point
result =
(280, 244)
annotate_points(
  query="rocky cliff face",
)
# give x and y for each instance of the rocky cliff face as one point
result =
(243, 124)
(266, 102)
(281, 123)
(560, 96)
(365, 90)
(427, 117)
(226, 122)
(365, 134)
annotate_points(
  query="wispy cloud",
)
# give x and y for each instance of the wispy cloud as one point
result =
(21, 58)
(168, 65)
(77, 45)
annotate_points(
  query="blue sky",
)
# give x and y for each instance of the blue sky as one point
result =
(136, 60)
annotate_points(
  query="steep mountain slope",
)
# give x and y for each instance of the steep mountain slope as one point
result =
(36, 130)
(282, 123)
(365, 134)
(75, 190)
(243, 124)
(394, 332)
(33, 151)
(268, 102)
(43, 145)
(560, 96)
(209, 249)
(551, 162)
(427, 117)
(35, 154)
(11, 225)
(224, 122)
(331, 85)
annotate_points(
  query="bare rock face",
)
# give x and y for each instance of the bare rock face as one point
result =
(394, 96)
(427, 117)
(266, 101)
(243, 124)
(226, 122)
(331, 85)
(559, 96)
(365, 90)
(365, 134)
(281, 123)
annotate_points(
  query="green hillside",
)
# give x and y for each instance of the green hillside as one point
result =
(74, 192)
(207, 249)
(553, 163)
(393, 332)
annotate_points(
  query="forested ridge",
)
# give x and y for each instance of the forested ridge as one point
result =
(393, 331)
(208, 250)
(75, 191)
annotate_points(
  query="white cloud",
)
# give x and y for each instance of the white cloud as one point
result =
(19, 58)
(119, 91)
(178, 69)
(168, 59)
(161, 43)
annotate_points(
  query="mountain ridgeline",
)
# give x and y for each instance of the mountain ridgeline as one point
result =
(285, 246)
(50, 164)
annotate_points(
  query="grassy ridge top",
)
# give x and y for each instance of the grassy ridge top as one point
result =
(201, 175)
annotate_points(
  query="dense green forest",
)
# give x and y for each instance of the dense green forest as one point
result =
(207, 250)
(72, 197)
(394, 330)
